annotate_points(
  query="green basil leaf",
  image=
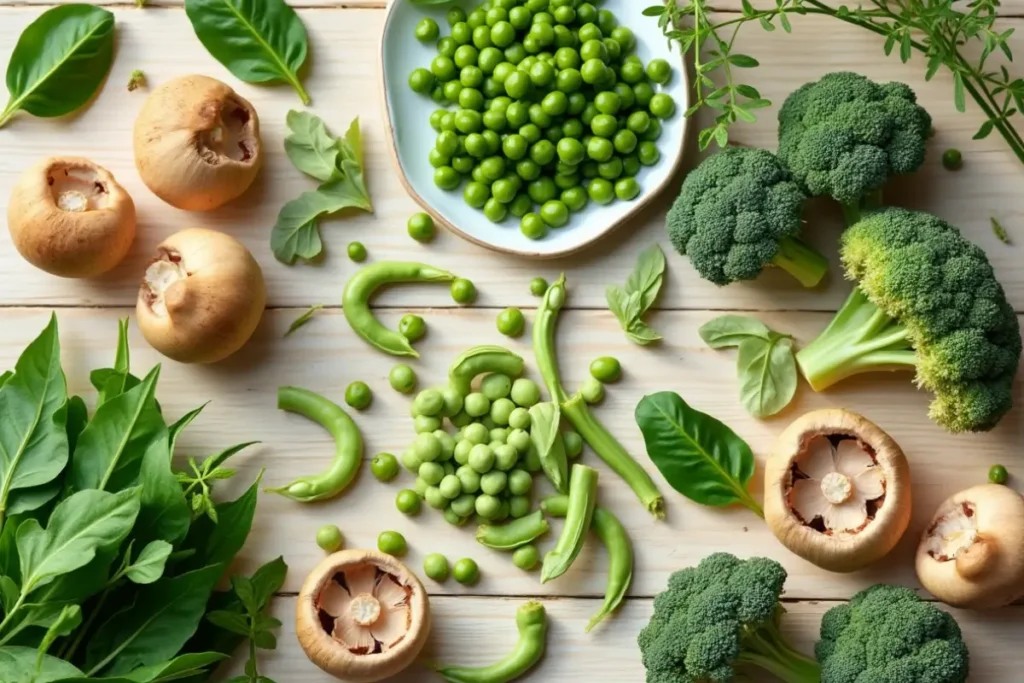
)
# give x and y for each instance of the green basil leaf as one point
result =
(149, 565)
(352, 165)
(215, 461)
(265, 582)
(33, 403)
(233, 622)
(19, 665)
(304, 318)
(647, 276)
(617, 297)
(60, 61)
(175, 430)
(78, 528)
(732, 330)
(259, 41)
(154, 628)
(767, 372)
(311, 148)
(699, 456)
(640, 333)
(296, 234)
(218, 543)
(544, 423)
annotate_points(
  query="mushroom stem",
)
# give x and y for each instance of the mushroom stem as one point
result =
(836, 488)
(72, 201)
(974, 561)
(160, 276)
(365, 610)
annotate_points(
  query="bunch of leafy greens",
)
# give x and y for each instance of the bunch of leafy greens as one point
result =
(259, 41)
(630, 303)
(338, 164)
(60, 61)
(106, 571)
(765, 364)
(959, 36)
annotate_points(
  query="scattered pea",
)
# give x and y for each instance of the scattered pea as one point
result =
(330, 538)
(428, 403)
(573, 444)
(526, 557)
(407, 502)
(592, 390)
(952, 160)
(384, 466)
(519, 418)
(435, 566)
(606, 369)
(358, 395)
(392, 543)
(412, 327)
(997, 474)
(427, 30)
(525, 392)
(463, 291)
(421, 225)
(466, 571)
(511, 322)
(356, 252)
(402, 379)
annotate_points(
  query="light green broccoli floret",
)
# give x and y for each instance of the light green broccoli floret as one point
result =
(844, 136)
(738, 212)
(926, 300)
(717, 616)
(886, 634)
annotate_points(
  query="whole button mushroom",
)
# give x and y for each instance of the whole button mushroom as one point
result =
(201, 298)
(972, 553)
(69, 217)
(197, 143)
(837, 490)
(362, 616)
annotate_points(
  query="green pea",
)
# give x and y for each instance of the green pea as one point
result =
(593, 71)
(518, 85)
(435, 566)
(501, 410)
(632, 73)
(330, 538)
(997, 474)
(421, 225)
(604, 125)
(428, 403)
(515, 53)
(644, 93)
(476, 405)
(436, 117)
(384, 466)
(498, 435)
(477, 17)
(533, 227)
(511, 322)
(520, 482)
(356, 251)
(525, 392)
(455, 15)
(601, 191)
(435, 498)
(490, 58)
(627, 189)
(648, 153)
(392, 543)
(526, 557)
(573, 443)
(606, 369)
(487, 505)
(659, 71)
(447, 178)
(407, 502)
(481, 458)
(427, 447)
(520, 206)
(590, 31)
(586, 13)
(421, 81)
(653, 132)
(554, 213)
(952, 160)
(412, 327)
(625, 141)
(520, 18)
(452, 90)
(463, 291)
(470, 480)
(575, 198)
(495, 211)
(662, 106)
(427, 30)
(570, 151)
(466, 571)
(358, 395)
(504, 190)
(600, 149)
(450, 487)
(592, 390)
(411, 461)
(472, 99)
(614, 49)
(443, 68)
(402, 379)
(538, 287)
(631, 165)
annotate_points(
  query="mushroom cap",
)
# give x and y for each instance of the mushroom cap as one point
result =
(197, 143)
(989, 572)
(843, 552)
(86, 241)
(330, 654)
(202, 297)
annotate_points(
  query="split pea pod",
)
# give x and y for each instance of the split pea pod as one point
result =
(514, 534)
(547, 441)
(620, 553)
(578, 412)
(361, 288)
(532, 623)
(579, 514)
(348, 454)
(481, 360)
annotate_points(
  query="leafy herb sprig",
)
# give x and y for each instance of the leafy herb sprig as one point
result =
(942, 30)
(631, 302)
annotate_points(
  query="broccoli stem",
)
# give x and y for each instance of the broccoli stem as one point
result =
(767, 649)
(852, 213)
(861, 338)
(801, 260)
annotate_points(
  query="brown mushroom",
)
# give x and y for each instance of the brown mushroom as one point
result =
(837, 490)
(972, 553)
(69, 217)
(201, 298)
(197, 143)
(362, 616)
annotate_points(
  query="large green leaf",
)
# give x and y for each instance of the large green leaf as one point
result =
(163, 513)
(112, 382)
(699, 456)
(60, 61)
(111, 447)
(767, 373)
(33, 406)
(219, 542)
(18, 665)
(154, 629)
(259, 41)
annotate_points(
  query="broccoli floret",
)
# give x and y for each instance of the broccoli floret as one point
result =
(886, 634)
(717, 616)
(926, 300)
(844, 136)
(738, 212)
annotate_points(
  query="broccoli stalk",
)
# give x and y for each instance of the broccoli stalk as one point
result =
(765, 647)
(801, 260)
(861, 338)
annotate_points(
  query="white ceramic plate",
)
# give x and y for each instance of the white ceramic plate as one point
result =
(407, 115)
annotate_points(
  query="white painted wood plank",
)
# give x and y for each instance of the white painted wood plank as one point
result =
(343, 85)
(325, 356)
(478, 631)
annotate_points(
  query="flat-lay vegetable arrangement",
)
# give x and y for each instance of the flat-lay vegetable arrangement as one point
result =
(119, 548)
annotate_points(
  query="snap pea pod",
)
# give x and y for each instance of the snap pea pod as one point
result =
(362, 286)
(514, 534)
(580, 512)
(547, 441)
(532, 623)
(620, 553)
(348, 441)
(481, 360)
(578, 413)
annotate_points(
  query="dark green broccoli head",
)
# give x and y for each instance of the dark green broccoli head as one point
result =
(920, 271)
(845, 135)
(738, 212)
(886, 634)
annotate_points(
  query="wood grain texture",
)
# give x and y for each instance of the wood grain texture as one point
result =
(478, 631)
(342, 83)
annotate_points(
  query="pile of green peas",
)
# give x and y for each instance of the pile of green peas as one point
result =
(486, 467)
(551, 109)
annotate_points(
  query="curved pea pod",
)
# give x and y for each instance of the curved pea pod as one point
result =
(481, 360)
(580, 512)
(516, 533)
(532, 624)
(544, 421)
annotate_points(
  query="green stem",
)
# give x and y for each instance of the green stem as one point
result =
(69, 651)
(801, 260)
(7, 618)
(8, 113)
(303, 95)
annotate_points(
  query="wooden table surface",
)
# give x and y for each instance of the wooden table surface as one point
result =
(475, 625)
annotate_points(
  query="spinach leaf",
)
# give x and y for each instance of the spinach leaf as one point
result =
(112, 382)
(699, 456)
(60, 61)
(33, 403)
(78, 417)
(149, 566)
(163, 511)
(310, 147)
(18, 665)
(732, 330)
(184, 421)
(219, 542)
(630, 303)
(304, 318)
(154, 628)
(176, 669)
(259, 41)
(545, 419)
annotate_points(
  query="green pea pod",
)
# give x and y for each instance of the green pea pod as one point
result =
(582, 500)
(620, 553)
(348, 446)
(481, 360)
(544, 422)
(532, 623)
(361, 288)
(516, 533)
